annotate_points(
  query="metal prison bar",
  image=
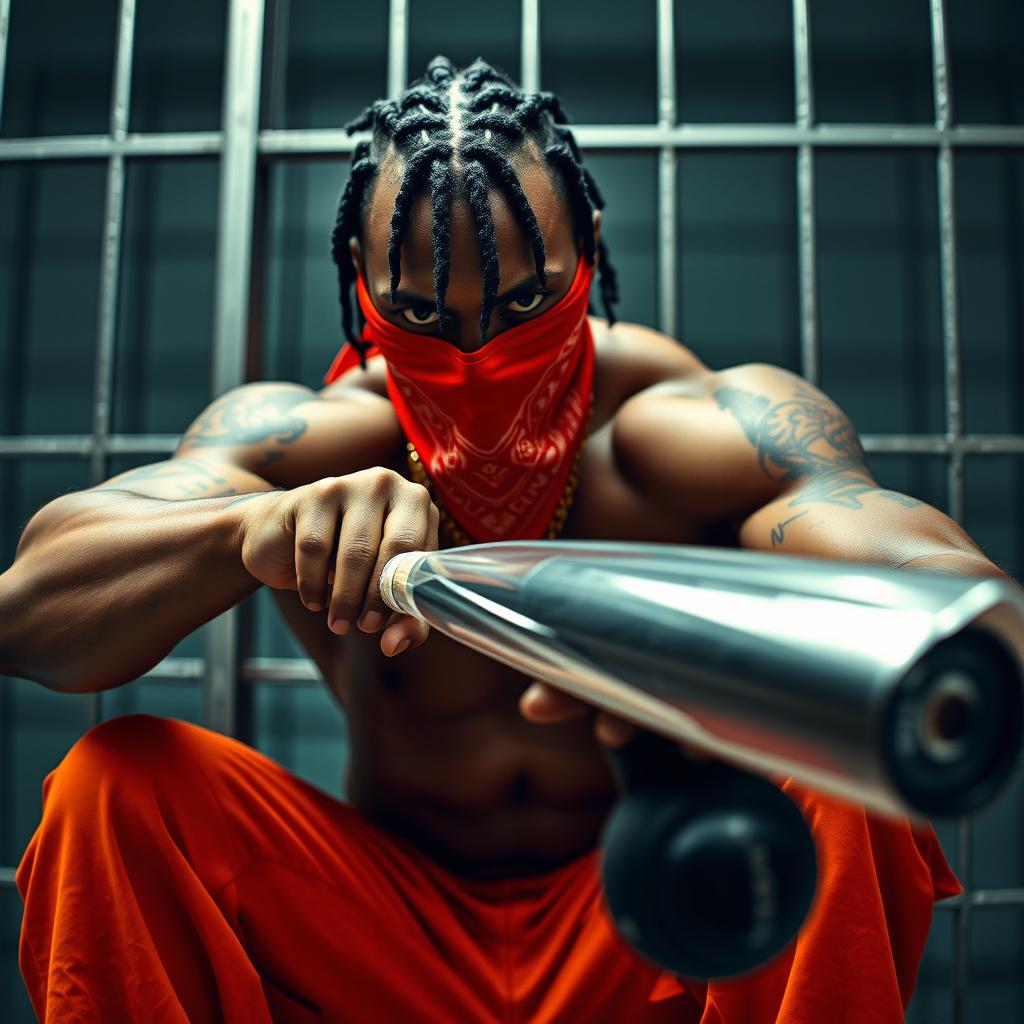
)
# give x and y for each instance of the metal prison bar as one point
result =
(240, 144)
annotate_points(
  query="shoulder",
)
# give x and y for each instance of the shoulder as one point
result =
(630, 358)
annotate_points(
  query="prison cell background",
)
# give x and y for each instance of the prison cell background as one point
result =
(834, 188)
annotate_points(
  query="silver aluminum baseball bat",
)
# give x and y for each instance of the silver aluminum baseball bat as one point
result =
(899, 690)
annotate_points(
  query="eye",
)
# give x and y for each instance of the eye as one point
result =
(527, 302)
(420, 315)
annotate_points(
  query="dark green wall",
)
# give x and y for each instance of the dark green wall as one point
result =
(737, 285)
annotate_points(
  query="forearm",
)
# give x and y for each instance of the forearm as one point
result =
(959, 563)
(106, 583)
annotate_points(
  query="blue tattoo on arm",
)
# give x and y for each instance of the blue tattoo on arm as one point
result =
(806, 437)
(251, 418)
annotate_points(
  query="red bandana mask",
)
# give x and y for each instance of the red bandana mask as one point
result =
(496, 429)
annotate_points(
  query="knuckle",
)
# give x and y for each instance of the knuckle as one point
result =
(357, 554)
(311, 544)
(382, 480)
(418, 494)
(330, 487)
(405, 539)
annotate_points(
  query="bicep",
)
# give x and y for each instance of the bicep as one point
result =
(827, 504)
(766, 451)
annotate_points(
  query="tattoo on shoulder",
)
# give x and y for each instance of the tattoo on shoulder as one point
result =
(806, 437)
(252, 418)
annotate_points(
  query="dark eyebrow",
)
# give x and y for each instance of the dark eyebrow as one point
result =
(529, 283)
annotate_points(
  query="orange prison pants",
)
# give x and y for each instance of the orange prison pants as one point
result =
(180, 876)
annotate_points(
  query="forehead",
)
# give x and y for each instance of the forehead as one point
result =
(514, 252)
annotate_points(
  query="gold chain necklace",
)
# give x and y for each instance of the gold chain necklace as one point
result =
(458, 535)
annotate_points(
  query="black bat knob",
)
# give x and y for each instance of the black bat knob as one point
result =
(709, 871)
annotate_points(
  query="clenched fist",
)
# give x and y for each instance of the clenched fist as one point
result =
(330, 540)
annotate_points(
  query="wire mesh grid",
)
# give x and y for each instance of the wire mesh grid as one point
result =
(240, 145)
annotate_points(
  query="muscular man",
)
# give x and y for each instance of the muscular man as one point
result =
(181, 876)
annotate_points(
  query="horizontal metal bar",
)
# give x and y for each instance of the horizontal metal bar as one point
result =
(932, 444)
(331, 142)
(785, 135)
(176, 670)
(7, 876)
(280, 670)
(80, 445)
(254, 670)
(997, 898)
(102, 147)
(985, 899)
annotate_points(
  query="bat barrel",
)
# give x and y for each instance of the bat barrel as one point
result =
(899, 690)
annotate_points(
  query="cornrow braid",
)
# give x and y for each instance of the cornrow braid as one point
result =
(415, 174)
(561, 157)
(501, 170)
(424, 96)
(442, 189)
(478, 187)
(440, 72)
(491, 94)
(454, 133)
(347, 225)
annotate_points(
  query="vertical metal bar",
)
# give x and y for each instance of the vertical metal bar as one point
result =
(5, 22)
(962, 923)
(398, 47)
(237, 177)
(275, 83)
(110, 271)
(951, 327)
(954, 431)
(666, 171)
(529, 43)
(947, 257)
(113, 221)
(810, 347)
(231, 299)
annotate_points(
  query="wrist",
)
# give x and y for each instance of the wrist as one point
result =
(241, 513)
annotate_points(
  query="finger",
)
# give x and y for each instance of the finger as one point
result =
(547, 705)
(358, 546)
(612, 731)
(314, 547)
(408, 526)
(402, 633)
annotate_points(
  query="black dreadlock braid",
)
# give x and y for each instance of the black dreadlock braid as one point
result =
(455, 132)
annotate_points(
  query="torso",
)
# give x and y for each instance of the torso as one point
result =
(439, 751)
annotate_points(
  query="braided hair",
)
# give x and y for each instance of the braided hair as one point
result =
(455, 131)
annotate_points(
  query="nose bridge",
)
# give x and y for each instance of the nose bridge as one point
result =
(463, 328)
(468, 334)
